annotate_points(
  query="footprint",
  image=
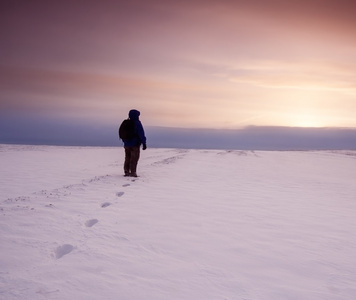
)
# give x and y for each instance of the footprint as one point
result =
(105, 204)
(63, 250)
(119, 194)
(91, 222)
(127, 184)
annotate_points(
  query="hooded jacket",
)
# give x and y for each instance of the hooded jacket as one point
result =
(140, 137)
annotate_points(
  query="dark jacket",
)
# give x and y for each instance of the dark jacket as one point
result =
(140, 137)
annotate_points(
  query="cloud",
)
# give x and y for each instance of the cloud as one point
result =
(255, 138)
(194, 63)
(304, 76)
(49, 131)
(77, 86)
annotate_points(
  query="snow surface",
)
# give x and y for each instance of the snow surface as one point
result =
(196, 224)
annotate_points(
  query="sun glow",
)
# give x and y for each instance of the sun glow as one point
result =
(307, 120)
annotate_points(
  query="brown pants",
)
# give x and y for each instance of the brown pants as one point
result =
(132, 155)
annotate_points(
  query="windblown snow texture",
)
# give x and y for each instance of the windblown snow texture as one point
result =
(196, 224)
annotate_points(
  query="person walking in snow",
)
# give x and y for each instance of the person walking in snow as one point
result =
(133, 136)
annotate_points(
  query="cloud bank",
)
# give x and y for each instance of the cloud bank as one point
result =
(56, 132)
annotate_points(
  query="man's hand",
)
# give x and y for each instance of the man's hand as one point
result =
(144, 147)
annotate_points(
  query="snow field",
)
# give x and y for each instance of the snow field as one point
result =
(196, 224)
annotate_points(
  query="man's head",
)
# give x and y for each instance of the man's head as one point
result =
(134, 114)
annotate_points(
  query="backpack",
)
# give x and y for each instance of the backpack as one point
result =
(127, 130)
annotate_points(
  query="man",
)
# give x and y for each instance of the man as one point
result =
(132, 145)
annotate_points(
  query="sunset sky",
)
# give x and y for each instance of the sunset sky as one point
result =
(194, 64)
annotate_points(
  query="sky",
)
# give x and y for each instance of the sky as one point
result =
(184, 64)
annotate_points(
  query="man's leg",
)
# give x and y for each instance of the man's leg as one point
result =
(127, 161)
(135, 156)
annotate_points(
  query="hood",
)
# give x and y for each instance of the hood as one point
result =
(134, 114)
